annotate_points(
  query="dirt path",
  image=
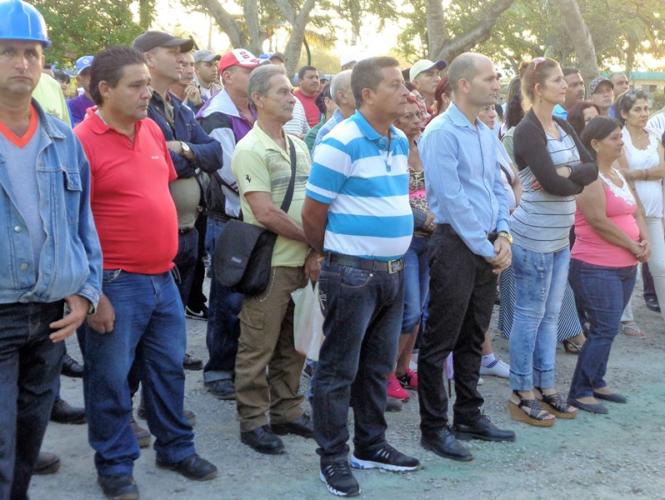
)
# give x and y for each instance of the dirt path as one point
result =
(620, 455)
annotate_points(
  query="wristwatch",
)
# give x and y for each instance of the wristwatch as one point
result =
(506, 235)
(185, 147)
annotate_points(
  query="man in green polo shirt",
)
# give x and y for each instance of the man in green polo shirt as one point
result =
(261, 164)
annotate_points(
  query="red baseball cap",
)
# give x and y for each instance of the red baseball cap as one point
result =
(238, 57)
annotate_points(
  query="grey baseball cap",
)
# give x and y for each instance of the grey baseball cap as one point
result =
(597, 82)
(205, 56)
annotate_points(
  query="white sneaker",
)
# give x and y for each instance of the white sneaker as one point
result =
(480, 381)
(496, 368)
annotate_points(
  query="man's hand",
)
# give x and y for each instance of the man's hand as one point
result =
(313, 266)
(429, 224)
(78, 310)
(503, 255)
(193, 95)
(174, 147)
(104, 318)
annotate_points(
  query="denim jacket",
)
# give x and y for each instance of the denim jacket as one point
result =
(71, 258)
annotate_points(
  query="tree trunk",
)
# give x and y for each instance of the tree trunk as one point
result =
(146, 13)
(580, 36)
(251, 10)
(298, 24)
(435, 28)
(630, 56)
(481, 31)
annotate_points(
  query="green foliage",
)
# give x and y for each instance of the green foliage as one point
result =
(78, 27)
(621, 30)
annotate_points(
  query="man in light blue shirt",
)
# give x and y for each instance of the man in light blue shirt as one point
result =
(341, 93)
(470, 247)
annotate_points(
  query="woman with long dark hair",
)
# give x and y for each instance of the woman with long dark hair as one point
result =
(611, 237)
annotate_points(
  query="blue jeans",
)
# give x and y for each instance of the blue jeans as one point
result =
(29, 370)
(540, 283)
(416, 283)
(363, 317)
(149, 329)
(603, 293)
(185, 262)
(223, 323)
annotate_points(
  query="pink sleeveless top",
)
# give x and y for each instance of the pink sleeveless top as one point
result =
(620, 208)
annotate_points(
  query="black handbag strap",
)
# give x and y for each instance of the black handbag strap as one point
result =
(286, 203)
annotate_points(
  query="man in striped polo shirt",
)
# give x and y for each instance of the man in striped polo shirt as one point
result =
(357, 212)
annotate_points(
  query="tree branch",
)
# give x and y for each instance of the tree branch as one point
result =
(477, 34)
(298, 25)
(287, 10)
(580, 36)
(225, 20)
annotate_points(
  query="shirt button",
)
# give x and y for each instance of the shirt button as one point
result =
(23, 266)
(17, 229)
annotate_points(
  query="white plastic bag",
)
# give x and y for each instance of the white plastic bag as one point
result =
(307, 321)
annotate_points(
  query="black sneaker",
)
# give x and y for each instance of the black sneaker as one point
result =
(386, 458)
(202, 314)
(339, 480)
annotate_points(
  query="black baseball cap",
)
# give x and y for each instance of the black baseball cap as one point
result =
(151, 39)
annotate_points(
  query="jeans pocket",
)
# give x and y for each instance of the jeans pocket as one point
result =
(352, 277)
(111, 275)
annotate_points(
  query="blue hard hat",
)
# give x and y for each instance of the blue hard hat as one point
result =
(21, 21)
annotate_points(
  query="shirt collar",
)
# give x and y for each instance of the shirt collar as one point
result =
(459, 119)
(370, 133)
(267, 141)
(100, 127)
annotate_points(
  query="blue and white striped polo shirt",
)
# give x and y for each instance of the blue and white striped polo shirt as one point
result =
(365, 180)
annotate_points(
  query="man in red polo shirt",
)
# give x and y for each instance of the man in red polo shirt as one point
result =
(140, 319)
(309, 86)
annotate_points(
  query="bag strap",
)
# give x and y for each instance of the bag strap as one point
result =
(286, 203)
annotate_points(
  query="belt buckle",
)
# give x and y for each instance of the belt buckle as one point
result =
(394, 266)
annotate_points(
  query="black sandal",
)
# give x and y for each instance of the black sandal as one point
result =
(557, 405)
(529, 412)
(571, 347)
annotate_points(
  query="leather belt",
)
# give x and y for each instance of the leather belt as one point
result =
(389, 266)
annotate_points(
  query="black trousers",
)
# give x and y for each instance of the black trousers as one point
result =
(462, 293)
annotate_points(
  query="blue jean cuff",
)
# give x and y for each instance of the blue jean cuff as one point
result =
(214, 376)
(176, 455)
(121, 469)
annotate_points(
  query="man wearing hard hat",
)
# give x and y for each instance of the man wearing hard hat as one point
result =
(49, 249)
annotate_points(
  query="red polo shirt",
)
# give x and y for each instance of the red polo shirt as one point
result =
(133, 209)
(312, 111)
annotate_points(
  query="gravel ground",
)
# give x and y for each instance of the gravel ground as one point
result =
(620, 455)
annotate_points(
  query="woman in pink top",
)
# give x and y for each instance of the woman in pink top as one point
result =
(611, 238)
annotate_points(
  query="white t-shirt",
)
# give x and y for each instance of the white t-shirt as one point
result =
(657, 123)
(650, 192)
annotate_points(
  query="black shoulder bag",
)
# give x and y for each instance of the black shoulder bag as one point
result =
(243, 252)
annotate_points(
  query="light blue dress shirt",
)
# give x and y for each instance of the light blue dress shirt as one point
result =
(463, 180)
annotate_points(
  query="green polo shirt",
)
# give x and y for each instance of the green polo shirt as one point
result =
(260, 164)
